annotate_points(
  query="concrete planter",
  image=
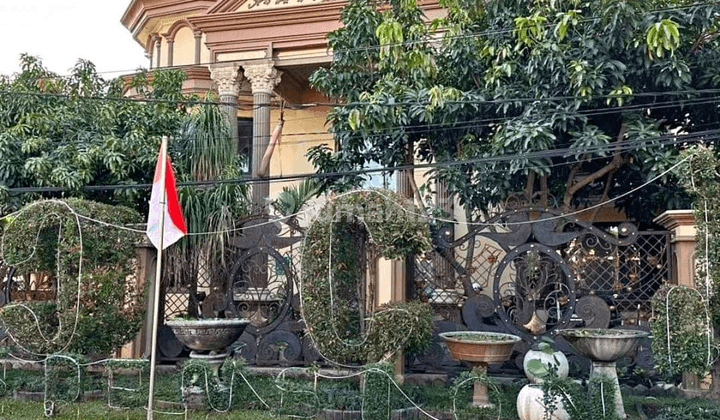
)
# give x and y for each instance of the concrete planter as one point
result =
(604, 347)
(206, 335)
(480, 349)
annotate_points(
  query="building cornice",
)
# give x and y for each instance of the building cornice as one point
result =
(141, 12)
(672, 219)
(265, 18)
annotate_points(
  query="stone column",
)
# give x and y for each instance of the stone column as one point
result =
(227, 77)
(263, 78)
(158, 49)
(401, 277)
(198, 45)
(681, 224)
(403, 274)
(170, 43)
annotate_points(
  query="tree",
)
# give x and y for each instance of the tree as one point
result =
(70, 132)
(567, 103)
(73, 132)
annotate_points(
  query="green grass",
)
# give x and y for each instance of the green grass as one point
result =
(300, 398)
(98, 410)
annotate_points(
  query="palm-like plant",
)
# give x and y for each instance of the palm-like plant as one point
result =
(207, 153)
(291, 200)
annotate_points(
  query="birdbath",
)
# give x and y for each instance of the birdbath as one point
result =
(604, 347)
(480, 349)
(208, 338)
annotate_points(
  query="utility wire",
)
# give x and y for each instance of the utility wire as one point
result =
(661, 141)
(460, 125)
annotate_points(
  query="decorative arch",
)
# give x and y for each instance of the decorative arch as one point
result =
(150, 44)
(179, 24)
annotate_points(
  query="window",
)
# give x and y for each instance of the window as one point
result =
(245, 137)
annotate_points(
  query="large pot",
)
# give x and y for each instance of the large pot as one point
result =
(206, 335)
(478, 347)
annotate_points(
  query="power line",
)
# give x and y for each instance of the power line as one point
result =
(660, 141)
(460, 125)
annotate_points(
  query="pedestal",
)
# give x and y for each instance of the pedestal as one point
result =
(480, 392)
(214, 360)
(609, 370)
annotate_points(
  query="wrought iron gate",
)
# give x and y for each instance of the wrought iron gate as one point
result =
(258, 281)
(530, 272)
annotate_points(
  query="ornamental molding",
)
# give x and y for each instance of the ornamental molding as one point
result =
(227, 77)
(263, 77)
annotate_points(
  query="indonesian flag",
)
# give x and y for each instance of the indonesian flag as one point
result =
(174, 224)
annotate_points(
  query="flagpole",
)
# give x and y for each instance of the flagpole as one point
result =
(158, 278)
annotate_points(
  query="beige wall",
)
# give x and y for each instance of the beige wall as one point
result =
(184, 47)
(204, 51)
(163, 53)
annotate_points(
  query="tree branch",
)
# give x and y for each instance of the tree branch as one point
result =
(614, 164)
(544, 191)
(530, 185)
(606, 193)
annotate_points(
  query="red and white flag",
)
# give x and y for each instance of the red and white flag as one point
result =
(174, 224)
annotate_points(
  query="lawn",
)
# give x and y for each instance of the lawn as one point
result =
(98, 410)
(266, 397)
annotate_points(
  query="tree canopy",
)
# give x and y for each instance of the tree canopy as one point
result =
(62, 134)
(564, 102)
(73, 131)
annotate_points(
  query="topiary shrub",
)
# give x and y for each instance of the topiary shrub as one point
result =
(99, 305)
(681, 311)
(341, 317)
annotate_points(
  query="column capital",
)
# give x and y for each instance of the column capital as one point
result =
(227, 76)
(263, 77)
(680, 223)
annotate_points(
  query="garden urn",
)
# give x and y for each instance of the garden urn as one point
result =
(604, 347)
(480, 349)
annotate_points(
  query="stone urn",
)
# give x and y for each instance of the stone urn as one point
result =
(480, 349)
(604, 347)
(208, 338)
(207, 335)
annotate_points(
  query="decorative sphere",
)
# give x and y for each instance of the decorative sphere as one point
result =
(557, 359)
(530, 405)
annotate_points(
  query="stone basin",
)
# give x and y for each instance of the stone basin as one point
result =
(206, 335)
(603, 344)
(480, 347)
(604, 347)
